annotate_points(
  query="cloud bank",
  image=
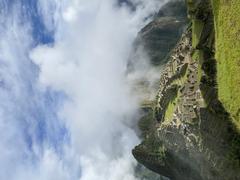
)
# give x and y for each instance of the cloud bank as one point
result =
(66, 110)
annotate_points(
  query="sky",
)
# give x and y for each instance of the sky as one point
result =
(66, 109)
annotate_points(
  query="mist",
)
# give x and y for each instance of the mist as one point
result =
(67, 108)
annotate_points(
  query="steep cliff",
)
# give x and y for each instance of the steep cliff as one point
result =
(191, 130)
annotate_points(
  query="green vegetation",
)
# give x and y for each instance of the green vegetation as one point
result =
(170, 110)
(172, 104)
(197, 27)
(227, 26)
(210, 139)
(145, 123)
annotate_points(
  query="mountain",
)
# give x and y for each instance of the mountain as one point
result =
(162, 34)
(192, 130)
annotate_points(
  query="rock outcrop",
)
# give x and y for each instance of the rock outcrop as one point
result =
(187, 133)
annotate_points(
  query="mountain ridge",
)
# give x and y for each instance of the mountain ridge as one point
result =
(188, 133)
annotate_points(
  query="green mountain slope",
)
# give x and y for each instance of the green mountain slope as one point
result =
(227, 25)
(191, 131)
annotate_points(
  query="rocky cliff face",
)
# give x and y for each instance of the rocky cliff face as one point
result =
(187, 132)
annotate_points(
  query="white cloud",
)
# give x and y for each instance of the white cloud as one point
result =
(87, 62)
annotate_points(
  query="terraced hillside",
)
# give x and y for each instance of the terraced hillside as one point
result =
(226, 18)
(191, 130)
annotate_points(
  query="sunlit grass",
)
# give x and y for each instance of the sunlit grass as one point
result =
(170, 110)
(172, 104)
(227, 25)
